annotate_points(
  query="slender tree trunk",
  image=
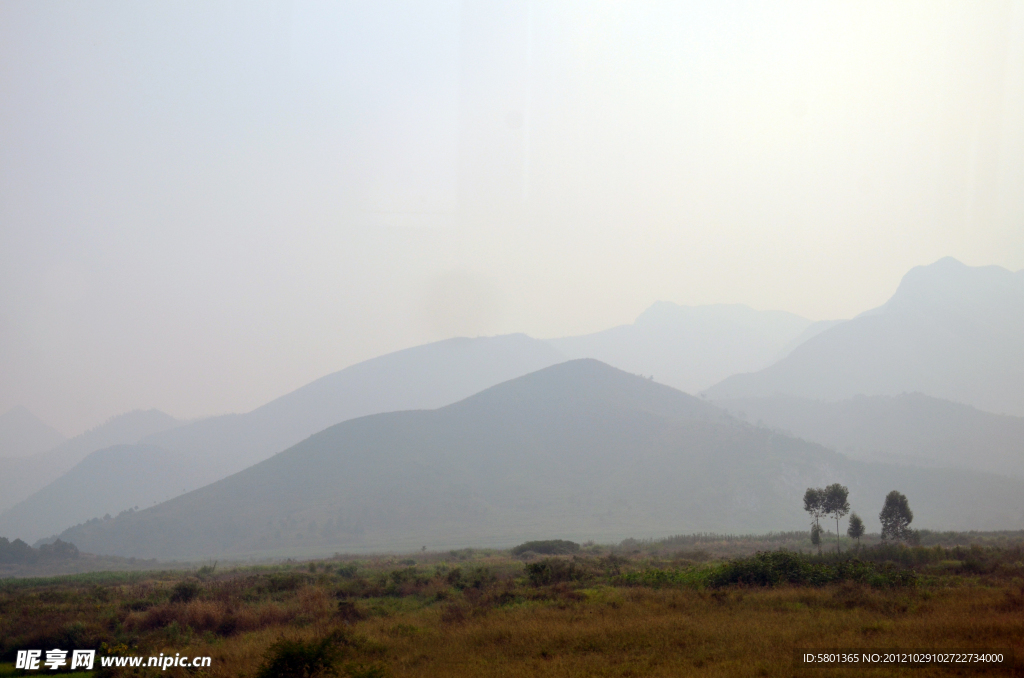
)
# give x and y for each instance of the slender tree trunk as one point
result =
(837, 534)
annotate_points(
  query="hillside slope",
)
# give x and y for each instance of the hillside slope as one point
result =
(107, 481)
(579, 450)
(950, 331)
(426, 376)
(911, 428)
(21, 477)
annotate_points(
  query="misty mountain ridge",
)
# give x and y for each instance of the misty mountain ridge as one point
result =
(909, 429)
(23, 434)
(20, 477)
(691, 347)
(209, 449)
(666, 339)
(107, 481)
(950, 331)
(579, 449)
(421, 377)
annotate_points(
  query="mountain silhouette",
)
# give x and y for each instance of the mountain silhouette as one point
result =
(579, 449)
(21, 477)
(912, 429)
(425, 376)
(692, 347)
(950, 331)
(107, 481)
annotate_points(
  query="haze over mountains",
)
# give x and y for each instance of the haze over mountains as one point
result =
(909, 429)
(22, 434)
(950, 331)
(579, 449)
(422, 377)
(108, 481)
(425, 376)
(936, 312)
(21, 476)
(694, 347)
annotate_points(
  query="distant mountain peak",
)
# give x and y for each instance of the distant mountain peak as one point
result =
(950, 331)
(585, 382)
(949, 281)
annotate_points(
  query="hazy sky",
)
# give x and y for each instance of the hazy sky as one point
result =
(204, 205)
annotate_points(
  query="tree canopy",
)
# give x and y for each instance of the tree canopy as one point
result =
(836, 504)
(856, 528)
(896, 517)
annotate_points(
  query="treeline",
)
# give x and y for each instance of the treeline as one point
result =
(19, 552)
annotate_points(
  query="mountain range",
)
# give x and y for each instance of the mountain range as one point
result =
(927, 324)
(20, 477)
(911, 429)
(950, 331)
(423, 377)
(201, 452)
(579, 449)
(694, 347)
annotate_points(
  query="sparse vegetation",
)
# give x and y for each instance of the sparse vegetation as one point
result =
(642, 607)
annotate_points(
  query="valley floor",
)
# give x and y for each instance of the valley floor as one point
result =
(594, 613)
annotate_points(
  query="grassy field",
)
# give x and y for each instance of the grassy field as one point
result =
(668, 608)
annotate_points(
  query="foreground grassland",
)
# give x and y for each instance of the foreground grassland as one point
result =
(635, 610)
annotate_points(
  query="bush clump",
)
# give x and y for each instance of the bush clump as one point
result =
(316, 659)
(550, 547)
(774, 568)
(185, 591)
(555, 570)
(784, 567)
(303, 659)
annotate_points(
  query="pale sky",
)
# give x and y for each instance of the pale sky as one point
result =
(204, 205)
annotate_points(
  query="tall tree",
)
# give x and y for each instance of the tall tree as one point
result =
(896, 517)
(856, 528)
(814, 504)
(836, 505)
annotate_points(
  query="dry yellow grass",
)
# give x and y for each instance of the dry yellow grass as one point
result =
(643, 632)
(671, 633)
(492, 619)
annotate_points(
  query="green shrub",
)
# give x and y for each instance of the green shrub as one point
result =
(455, 578)
(317, 659)
(185, 591)
(285, 581)
(304, 659)
(550, 547)
(479, 577)
(206, 570)
(348, 570)
(556, 570)
(785, 567)
(774, 568)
